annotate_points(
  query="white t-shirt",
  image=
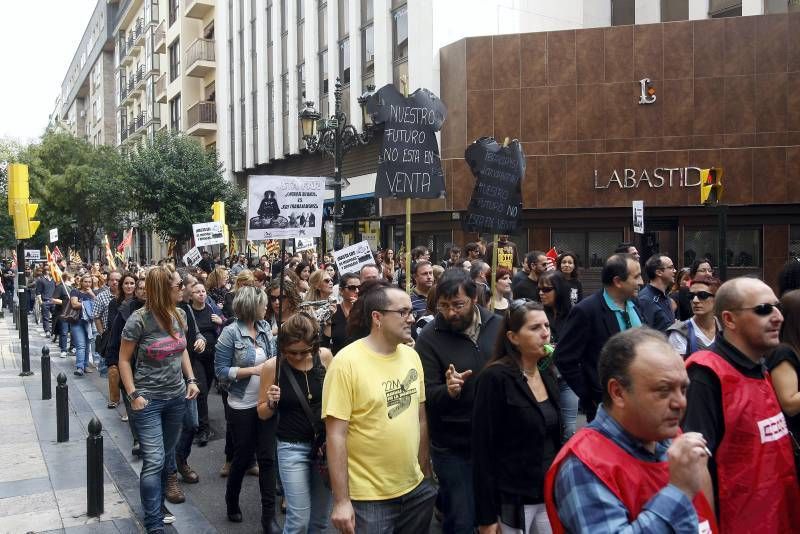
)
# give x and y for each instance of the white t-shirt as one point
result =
(678, 341)
(250, 397)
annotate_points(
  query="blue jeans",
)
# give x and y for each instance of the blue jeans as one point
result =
(456, 497)
(80, 338)
(184, 446)
(307, 498)
(47, 308)
(158, 426)
(408, 514)
(569, 408)
(63, 330)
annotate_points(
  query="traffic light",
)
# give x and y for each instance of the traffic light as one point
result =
(218, 212)
(711, 185)
(19, 205)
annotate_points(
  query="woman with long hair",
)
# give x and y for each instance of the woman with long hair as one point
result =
(217, 285)
(516, 428)
(297, 394)
(279, 309)
(155, 336)
(700, 330)
(388, 266)
(349, 288)
(81, 298)
(242, 349)
(679, 294)
(321, 285)
(245, 278)
(567, 263)
(303, 270)
(502, 287)
(127, 290)
(784, 362)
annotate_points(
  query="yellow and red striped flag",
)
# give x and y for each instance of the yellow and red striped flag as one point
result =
(109, 255)
(55, 271)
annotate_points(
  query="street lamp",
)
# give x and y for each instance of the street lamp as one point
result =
(333, 136)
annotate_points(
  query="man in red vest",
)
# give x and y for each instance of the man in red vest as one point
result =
(631, 468)
(732, 404)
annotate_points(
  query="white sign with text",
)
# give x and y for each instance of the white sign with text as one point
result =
(209, 233)
(351, 259)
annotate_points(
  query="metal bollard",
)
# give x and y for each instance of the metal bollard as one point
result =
(45, 368)
(94, 469)
(62, 407)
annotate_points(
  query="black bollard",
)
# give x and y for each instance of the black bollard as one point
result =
(45, 367)
(94, 469)
(62, 405)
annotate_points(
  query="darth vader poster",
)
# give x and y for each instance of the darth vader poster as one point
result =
(284, 207)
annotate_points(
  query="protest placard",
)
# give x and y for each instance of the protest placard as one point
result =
(33, 255)
(304, 244)
(351, 259)
(53, 235)
(284, 207)
(209, 233)
(192, 257)
(638, 216)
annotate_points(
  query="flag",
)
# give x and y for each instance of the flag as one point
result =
(14, 257)
(126, 241)
(57, 254)
(109, 255)
(252, 248)
(171, 244)
(273, 246)
(552, 254)
(55, 272)
(74, 257)
(234, 249)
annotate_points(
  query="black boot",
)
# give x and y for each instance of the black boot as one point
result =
(270, 525)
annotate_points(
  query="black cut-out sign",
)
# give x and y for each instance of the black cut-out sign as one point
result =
(409, 165)
(496, 203)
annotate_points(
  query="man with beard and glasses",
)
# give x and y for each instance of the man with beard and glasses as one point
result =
(453, 347)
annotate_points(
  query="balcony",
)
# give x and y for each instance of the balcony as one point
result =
(161, 89)
(140, 78)
(139, 33)
(201, 119)
(160, 39)
(198, 9)
(200, 58)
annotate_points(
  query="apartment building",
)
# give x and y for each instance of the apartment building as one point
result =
(85, 106)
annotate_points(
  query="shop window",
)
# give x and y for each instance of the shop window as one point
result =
(674, 10)
(794, 241)
(743, 246)
(623, 12)
(573, 242)
(724, 8)
(592, 247)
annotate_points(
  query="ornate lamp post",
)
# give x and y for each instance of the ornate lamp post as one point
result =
(333, 136)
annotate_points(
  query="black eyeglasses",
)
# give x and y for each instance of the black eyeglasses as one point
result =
(274, 298)
(702, 295)
(404, 313)
(762, 310)
(352, 288)
(545, 289)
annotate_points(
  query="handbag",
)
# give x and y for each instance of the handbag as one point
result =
(319, 455)
(71, 315)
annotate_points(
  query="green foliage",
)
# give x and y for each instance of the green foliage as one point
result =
(173, 182)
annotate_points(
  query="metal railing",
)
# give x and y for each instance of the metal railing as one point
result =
(200, 50)
(202, 112)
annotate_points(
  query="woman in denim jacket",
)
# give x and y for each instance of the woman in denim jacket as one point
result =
(241, 351)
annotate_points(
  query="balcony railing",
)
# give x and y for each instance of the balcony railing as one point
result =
(199, 57)
(160, 38)
(202, 112)
(161, 89)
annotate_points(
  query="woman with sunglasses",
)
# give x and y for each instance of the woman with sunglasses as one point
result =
(242, 349)
(155, 336)
(307, 497)
(784, 363)
(516, 429)
(555, 296)
(698, 332)
(349, 287)
(279, 310)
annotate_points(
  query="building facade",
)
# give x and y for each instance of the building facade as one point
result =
(727, 95)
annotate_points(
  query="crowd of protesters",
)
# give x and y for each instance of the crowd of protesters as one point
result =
(369, 409)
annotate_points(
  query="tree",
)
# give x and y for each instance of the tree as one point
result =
(173, 183)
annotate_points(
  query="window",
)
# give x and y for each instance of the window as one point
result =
(344, 61)
(301, 85)
(400, 34)
(285, 92)
(344, 18)
(781, 6)
(674, 10)
(743, 246)
(175, 114)
(283, 14)
(300, 48)
(724, 8)
(623, 12)
(301, 9)
(368, 48)
(174, 60)
(366, 11)
(322, 25)
(173, 11)
(323, 72)
(592, 247)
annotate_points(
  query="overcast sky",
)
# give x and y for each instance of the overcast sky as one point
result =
(37, 41)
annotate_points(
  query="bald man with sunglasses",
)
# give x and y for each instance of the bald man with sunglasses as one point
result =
(730, 401)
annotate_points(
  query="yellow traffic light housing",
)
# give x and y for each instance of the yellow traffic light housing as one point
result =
(711, 185)
(218, 212)
(19, 205)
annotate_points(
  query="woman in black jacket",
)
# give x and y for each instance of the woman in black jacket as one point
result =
(516, 429)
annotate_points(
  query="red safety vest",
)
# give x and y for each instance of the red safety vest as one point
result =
(633, 481)
(756, 481)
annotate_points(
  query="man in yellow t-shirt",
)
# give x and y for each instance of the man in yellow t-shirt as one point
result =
(373, 404)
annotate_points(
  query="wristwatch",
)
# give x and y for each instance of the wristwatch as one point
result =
(133, 396)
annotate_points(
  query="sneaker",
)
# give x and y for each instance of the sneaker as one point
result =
(202, 438)
(124, 418)
(137, 449)
(78, 372)
(73, 350)
(168, 517)
(111, 405)
(89, 369)
(174, 492)
(63, 354)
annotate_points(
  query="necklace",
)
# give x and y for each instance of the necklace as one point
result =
(308, 387)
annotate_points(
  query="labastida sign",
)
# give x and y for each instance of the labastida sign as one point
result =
(652, 178)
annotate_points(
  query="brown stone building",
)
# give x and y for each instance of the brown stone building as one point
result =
(727, 95)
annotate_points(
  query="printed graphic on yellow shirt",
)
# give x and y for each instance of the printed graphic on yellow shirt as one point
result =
(399, 394)
(505, 257)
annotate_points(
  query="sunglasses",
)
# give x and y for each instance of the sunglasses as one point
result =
(702, 295)
(274, 298)
(545, 289)
(179, 286)
(352, 288)
(327, 280)
(762, 310)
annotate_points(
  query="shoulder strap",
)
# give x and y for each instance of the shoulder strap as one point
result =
(303, 401)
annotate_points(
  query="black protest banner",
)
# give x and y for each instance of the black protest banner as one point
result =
(409, 165)
(496, 203)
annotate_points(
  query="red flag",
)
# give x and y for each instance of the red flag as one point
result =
(552, 254)
(126, 241)
(57, 254)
